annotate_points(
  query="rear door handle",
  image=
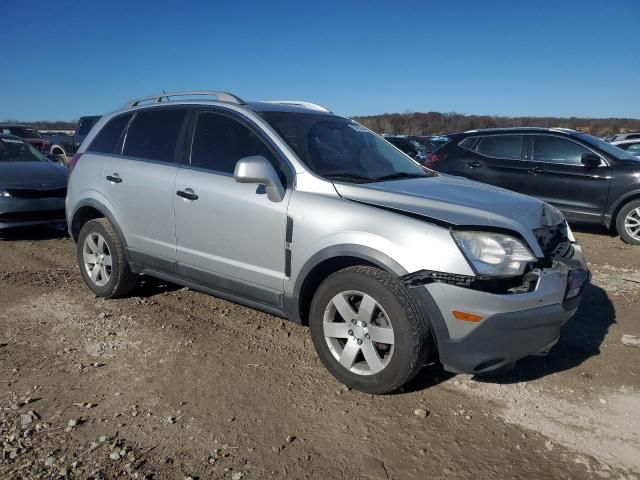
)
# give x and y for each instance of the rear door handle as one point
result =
(537, 170)
(473, 164)
(187, 194)
(115, 178)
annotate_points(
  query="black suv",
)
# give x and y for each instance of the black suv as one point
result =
(587, 178)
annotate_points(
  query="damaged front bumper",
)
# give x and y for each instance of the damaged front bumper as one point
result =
(520, 321)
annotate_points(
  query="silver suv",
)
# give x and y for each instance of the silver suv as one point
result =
(288, 208)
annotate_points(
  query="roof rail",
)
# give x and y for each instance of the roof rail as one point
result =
(570, 131)
(299, 103)
(221, 96)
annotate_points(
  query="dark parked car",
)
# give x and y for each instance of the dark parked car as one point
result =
(631, 146)
(623, 136)
(417, 147)
(67, 145)
(587, 178)
(32, 188)
(414, 150)
(28, 134)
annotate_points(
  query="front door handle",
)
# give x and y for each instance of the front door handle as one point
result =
(537, 170)
(115, 178)
(187, 194)
(473, 164)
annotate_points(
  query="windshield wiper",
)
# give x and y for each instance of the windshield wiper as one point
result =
(398, 176)
(347, 176)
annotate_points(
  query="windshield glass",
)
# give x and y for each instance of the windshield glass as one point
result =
(612, 150)
(15, 150)
(340, 149)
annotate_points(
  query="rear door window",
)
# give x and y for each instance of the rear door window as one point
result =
(551, 149)
(153, 134)
(109, 136)
(500, 146)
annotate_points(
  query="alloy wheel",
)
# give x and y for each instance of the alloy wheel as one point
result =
(632, 223)
(97, 259)
(358, 332)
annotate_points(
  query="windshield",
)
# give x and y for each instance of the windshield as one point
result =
(22, 132)
(340, 149)
(612, 150)
(15, 150)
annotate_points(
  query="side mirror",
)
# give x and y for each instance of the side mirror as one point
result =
(590, 160)
(258, 170)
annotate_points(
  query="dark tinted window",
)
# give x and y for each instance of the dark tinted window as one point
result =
(107, 138)
(500, 146)
(153, 134)
(550, 149)
(220, 141)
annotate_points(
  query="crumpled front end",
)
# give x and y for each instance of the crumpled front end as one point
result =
(483, 324)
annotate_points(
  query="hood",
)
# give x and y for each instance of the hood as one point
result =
(456, 201)
(33, 174)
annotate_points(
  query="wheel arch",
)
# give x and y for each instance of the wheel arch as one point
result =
(326, 262)
(55, 146)
(90, 209)
(611, 218)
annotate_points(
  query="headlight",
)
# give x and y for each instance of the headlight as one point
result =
(4, 193)
(494, 254)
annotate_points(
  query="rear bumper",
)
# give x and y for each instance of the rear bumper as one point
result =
(22, 212)
(513, 326)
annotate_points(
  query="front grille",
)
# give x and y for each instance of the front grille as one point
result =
(37, 193)
(554, 240)
(33, 216)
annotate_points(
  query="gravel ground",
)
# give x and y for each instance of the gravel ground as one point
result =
(171, 383)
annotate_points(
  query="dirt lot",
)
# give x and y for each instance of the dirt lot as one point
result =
(171, 383)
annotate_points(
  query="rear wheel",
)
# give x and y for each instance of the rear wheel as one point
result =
(102, 261)
(367, 330)
(628, 222)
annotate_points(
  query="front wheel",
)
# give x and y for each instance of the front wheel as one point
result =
(368, 331)
(628, 223)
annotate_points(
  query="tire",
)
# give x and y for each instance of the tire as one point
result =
(98, 245)
(628, 217)
(395, 363)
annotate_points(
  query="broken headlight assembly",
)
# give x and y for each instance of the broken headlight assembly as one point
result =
(494, 254)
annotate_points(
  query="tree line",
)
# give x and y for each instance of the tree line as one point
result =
(436, 123)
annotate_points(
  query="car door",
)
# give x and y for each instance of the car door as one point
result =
(230, 236)
(140, 184)
(495, 159)
(557, 176)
